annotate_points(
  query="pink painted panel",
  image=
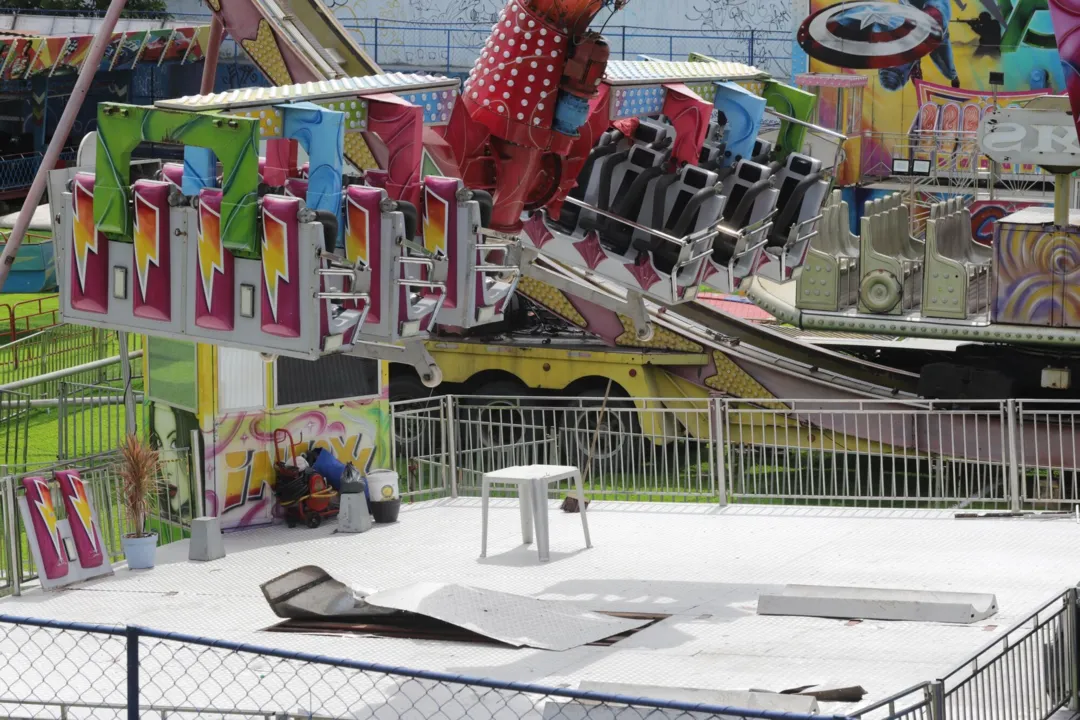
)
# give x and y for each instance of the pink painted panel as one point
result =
(363, 239)
(153, 251)
(80, 513)
(281, 266)
(214, 297)
(89, 252)
(54, 562)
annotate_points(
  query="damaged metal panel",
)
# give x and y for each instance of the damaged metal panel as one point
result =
(512, 619)
(310, 593)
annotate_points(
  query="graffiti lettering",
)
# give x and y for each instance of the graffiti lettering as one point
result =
(250, 474)
(1018, 25)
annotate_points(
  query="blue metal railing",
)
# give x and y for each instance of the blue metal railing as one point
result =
(453, 47)
(17, 171)
(137, 669)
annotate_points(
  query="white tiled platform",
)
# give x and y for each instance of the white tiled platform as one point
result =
(701, 564)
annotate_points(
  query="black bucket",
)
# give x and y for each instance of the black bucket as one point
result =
(385, 511)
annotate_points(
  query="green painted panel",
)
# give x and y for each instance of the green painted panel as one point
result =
(793, 102)
(234, 140)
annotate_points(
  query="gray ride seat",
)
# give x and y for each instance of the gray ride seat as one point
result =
(830, 276)
(612, 149)
(750, 201)
(891, 260)
(680, 204)
(802, 187)
(956, 278)
(712, 150)
(762, 153)
(622, 189)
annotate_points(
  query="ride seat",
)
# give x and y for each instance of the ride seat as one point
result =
(588, 180)
(681, 204)
(750, 195)
(802, 193)
(762, 154)
(622, 190)
(712, 150)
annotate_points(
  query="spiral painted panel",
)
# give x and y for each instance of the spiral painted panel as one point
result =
(1038, 276)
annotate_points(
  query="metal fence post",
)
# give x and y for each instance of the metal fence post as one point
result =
(376, 58)
(623, 57)
(1072, 628)
(132, 635)
(750, 49)
(937, 700)
(125, 375)
(1013, 473)
(11, 507)
(720, 438)
(61, 419)
(451, 445)
(448, 31)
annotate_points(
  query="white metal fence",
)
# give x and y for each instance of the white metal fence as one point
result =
(1028, 673)
(994, 455)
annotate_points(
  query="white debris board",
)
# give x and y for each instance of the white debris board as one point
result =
(512, 619)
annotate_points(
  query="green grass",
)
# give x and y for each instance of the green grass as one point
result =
(27, 318)
(91, 430)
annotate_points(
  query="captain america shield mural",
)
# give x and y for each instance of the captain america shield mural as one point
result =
(869, 35)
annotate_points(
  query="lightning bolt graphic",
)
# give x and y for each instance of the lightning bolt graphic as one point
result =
(274, 258)
(85, 236)
(436, 212)
(48, 513)
(147, 243)
(82, 506)
(211, 254)
(356, 239)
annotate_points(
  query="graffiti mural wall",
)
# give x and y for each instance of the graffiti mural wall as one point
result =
(239, 453)
(223, 405)
(929, 62)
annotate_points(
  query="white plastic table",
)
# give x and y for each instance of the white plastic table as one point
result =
(532, 485)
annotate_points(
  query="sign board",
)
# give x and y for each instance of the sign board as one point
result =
(67, 550)
(1025, 136)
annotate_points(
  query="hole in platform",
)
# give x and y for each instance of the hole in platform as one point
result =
(412, 626)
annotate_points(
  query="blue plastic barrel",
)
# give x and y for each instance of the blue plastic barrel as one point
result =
(329, 467)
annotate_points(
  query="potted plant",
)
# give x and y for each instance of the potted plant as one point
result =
(139, 466)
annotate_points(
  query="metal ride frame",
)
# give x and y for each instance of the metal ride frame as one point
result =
(957, 167)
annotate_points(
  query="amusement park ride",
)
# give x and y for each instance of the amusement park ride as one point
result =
(608, 192)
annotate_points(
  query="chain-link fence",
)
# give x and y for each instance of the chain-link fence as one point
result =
(52, 669)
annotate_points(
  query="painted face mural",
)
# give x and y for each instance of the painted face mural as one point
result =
(928, 62)
(170, 432)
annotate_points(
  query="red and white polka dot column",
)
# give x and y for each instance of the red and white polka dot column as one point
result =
(514, 85)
